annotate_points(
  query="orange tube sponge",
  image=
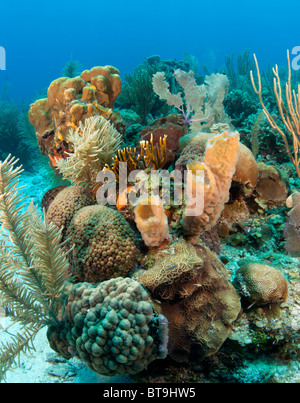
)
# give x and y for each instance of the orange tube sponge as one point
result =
(151, 220)
(218, 167)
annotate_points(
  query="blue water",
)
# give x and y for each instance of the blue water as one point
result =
(40, 37)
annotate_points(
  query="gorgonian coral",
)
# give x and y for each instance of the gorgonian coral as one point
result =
(94, 143)
(202, 105)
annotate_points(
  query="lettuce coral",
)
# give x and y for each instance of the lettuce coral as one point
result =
(195, 296)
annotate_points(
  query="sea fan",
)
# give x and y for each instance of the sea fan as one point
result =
(33, 268)
(202, 105)
(95, 142)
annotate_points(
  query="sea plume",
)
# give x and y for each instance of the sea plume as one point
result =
(95, 142)
(33, 267)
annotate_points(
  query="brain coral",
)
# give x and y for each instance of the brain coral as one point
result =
(67, 202)
(261, 284)
(111, 326)
(105, 246)
(196, 297)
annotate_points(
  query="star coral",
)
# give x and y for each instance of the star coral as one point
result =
(104, 245)
(65, 205)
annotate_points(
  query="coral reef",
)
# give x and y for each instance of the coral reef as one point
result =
(111, 326)
(104, 244)
(195, 296)
(190, 268)
(261, 284)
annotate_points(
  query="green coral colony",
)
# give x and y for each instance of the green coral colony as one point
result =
(120, 286)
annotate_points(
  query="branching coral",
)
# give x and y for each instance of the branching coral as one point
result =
(289, 111)
(94, 143)
(33, 267)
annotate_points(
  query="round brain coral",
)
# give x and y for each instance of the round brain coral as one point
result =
(111, 326)
(105, 246)
(261, 284)
(66, 204)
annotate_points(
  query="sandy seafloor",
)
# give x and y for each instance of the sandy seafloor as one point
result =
(46, 366)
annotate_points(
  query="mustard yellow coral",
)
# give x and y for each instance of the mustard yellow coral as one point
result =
(70, 101)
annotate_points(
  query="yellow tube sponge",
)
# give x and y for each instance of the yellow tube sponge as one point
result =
(151, 220)
(216, 171)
